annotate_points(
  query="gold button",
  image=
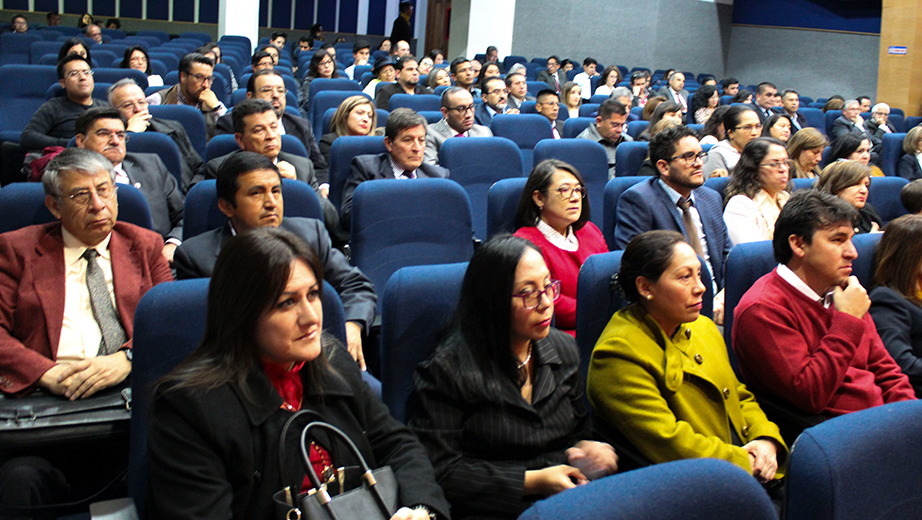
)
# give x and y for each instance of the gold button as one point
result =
(699, 359)
(687, 333)
(746, 431)
(726, 392)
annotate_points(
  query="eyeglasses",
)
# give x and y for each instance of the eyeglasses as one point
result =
(550, 103)
(531, 297)
(497, 91)
(462, 109)
(749, 128)
(325, 62)
(566, 191)
(108, 134)
(137, 59)
(79, 73)
(281, 91)
(104, 192)
(201, 77)
(690, 158)
(139, 105)
(777, 165)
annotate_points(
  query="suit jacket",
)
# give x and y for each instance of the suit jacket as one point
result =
(899, 323)
(558, 124)
(666, 92)
(437, 133)
(294, 126)
(876, 130)
(192, 162)
(383, 98)
(196, 257)
(909, 167)
(545, 76)
(32, 293)
(147, 173)
(512, 102)
(482, 116)
(646, 206)
(373, 167)
(799, 119)
(760, 112)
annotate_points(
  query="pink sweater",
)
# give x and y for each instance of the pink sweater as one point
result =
(564, 266)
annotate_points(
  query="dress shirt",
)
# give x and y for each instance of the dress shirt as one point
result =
(674, 196)
(400, 173)
(80, 332)
(567, 243)
(679, 99)
(801, 286)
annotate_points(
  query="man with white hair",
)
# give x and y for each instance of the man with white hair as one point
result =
(622, 95)
(879, 124)
(849, 121)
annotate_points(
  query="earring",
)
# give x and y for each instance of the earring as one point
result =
(649, 296)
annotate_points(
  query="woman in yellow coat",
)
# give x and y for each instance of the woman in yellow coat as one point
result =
(660, 374)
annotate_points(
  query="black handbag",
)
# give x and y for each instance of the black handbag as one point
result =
(374, 498)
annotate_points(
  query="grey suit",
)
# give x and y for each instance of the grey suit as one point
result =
(547, 77)
(667, 93)
(147, 173)
(196, 257)
(192, 162)
(512, 102)
(437, 133)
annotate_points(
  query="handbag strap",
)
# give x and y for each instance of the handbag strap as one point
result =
(282, 443)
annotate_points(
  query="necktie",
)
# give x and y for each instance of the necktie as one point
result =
(557, 83)
(681, 100)
(460, 134)
(554, 131)
(690, 228)
(113, 335)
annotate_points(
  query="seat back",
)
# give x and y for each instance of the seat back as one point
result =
(613, 190)
(502, 202)
(163, 146)
(15, 47)
(815, 117)
(884, 195)
(746, 263)
(573, 126)
(323, 84)
(220, 145)
(22, 91)
(536, 86)
(341, 153)
(589, 159)
(891, 151)
(831, 117)
(23, 205)
(718, 184)
(476, 164)
(588, 109)
(635, 128)
(629, 157)
(525, 130)
(189, 117)
(415, 102)
(111, 75)
(418, 303)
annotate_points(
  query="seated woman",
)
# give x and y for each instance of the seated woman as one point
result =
(853, 146)
(136, 58)
(703, 103)
(650, 106)
(489, 70)
(499, 405)
(75, 45)
(896, 302)
(713, 131)
(777, 126)
(571, 97)
(610, 78)
(742, 96)
(850, 181)
(356, 115)
(741, 125)
(834, 103)
(668, 110)
(647, 169)
(322, 65)
(216, 418)
(911, 163)
(757, 191)
(425, 66)
(805, 148)
(660, 375)
(553, 213)
(383, 71)
(438, 77)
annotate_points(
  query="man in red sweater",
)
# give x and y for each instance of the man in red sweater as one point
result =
(803, 331)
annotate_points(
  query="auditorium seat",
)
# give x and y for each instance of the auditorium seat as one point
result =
(163, 146)
(324, 84)
(111, 75)
(635, 128)
(502, 202)
(536, 86)
(590, 160)
(891, 151)
(22, 91)
(815, 117)
(415, 102)
(573, 126)
(588, 110)
(14, 47)
(831, 117)
(884, 195)
(189, 117)
(611, 197)
(526, 130)
(629, 157)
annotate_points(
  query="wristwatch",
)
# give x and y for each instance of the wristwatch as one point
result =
(128, 353)
(421, 507)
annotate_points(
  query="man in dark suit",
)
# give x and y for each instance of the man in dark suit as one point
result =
(269, 86)
(548, 105)
(657, 203)
(244, 173)
(879, 124)
(457, 121)
(494, 97)
(102, 130)
(517, 87)
(851, 121)
(401, 29)
(790, 103)
(50, 335)
(553, 76)
(405, 139)
(675, 91)
(128, 98)
(407, 70)
(764, 100)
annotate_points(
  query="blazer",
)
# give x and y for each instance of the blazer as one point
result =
(875, 129)
(192, 162)
(799, 119)
(373, 167)
(196, 257)
(844, 126)
(909, 167)
(147, 173)
(214, 453)
(646, 206)
(674, 397)
(383, 98)
(482, 447)
(547, 77)
(437, 133)
(512, 102)
(666, 92)
(899, 324)
(32, 287)
(297, 127)
(482, 116)
(760, 111)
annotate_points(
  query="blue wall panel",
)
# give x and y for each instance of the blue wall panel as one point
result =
(281, 13)
(834, 15)
(263, 14)
(75, 6)
(376, 14)
(158, 10)
(130, 8)
(103, 9)
(326, 14)
(17, 5)
(304, 16)
(42, 6)
(348, 15)
(183, 11)
(208, 11)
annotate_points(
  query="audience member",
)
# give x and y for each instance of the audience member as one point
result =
(572, 98)
(407, 82)
(361, 51)
(741, 125)
(608, 130)
(713, 131)
(490, 70)
(401, 29)
(75, 45)
(196, 72)
(94, 32)
(650, 107)
(356, 115)
(457, 121)
(425, 66)
(475, 70)
(703, 103)
(853, 146)
(742, 96)
(401, 49)
(805, 148)
(53, 122)
(911, 163)
(566, 65)
(583, 78)
(802, 332)
(639, 88)
(548, 105)
(305, 44)
(911, 197)
(405, 140)
(849, 121)
(53, 18)
(383, 71)
(879, 125)
(272, 51)
(84, 21)
(322, 65)
(757, 191)
(517, 86)
(261, 60)
(136, 58)
(611, 76)
(778, 126)
(675, 90)
(864, 103)
(113, 23)
(19, 24)
(462, 73)
(667, 110)
(765, 100)
(731, 86)
(500, 403)
(850, 180)
(437, 56)
(643, 384)
(213, 51)
(438, 77)
(622, 95)
(790, 104)
(834, 103)
(553, 214)
(492, 55)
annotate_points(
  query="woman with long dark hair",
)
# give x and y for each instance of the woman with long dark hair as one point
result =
(757, 191)
(137, 58)
(322, 65)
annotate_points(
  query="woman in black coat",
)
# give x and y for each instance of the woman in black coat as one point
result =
(214, 432)
(909, 167)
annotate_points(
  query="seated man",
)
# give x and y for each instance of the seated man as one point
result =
(803, 332)
(763, 102)
(68, 293)
(102, 130)
(405, 140)
(261, 60)
(270, 86)
(457, 121)
(494, 101)
(53, 122)
(675, 90)
(583, 78)
(94, 32)
(849, 121)
(608, 130)
(731, 86)
(790, 104)
(675, 199)
(548, 105)
(19, 23)
(250, 194)
(879, 124)
(128, 98)
(517, 86)
(361, 51)
(407, 70)
(552, 75)
(196, 72)
(864, 103)
(462, 75)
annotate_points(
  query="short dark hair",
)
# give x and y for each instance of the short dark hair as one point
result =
(611, 106)
(663, 144)
(69, 58)
(359, 45)
(527, 212)
(257, 56)
(185, 64)
(492, 48)
(789, 91)
(251, 82)
(862, 98)
(765, 85)
(306, 38)
(845, 145)
(400, 119)
(278, 34)
(486, 81)
(88, 117)
(246, 108)
(403, 60)
(235, 165)
(455, 63)
(729, 81)
(648, 255)
(911, 196)
(804, 213)
(15, 16)
(405, 5)
(511, 77)
(544, 93)
(589, 61)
